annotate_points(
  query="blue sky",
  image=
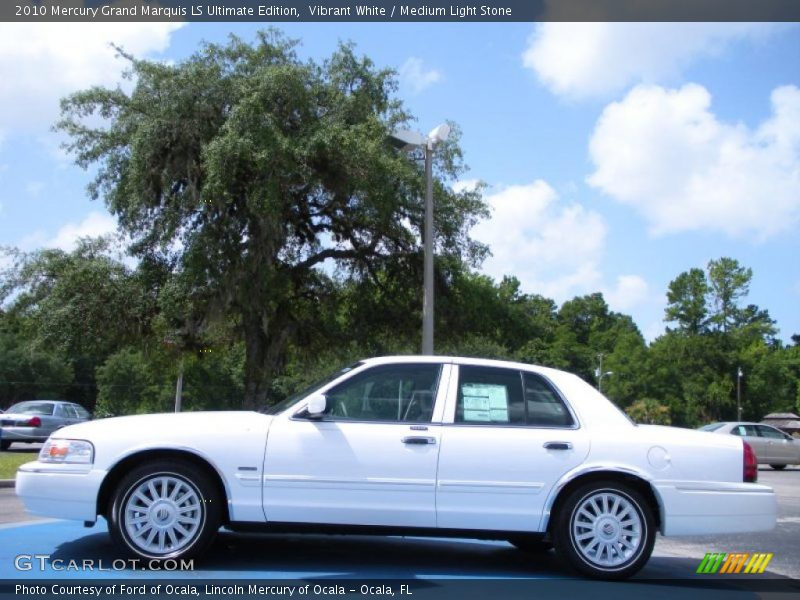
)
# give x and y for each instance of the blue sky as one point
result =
(616, 156)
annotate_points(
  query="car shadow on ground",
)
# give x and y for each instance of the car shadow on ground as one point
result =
(343, 556)
(371, 557)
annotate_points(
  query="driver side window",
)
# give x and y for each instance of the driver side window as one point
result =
(399, 393)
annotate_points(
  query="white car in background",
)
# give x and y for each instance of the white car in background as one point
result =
(772, 446)
(408, 445)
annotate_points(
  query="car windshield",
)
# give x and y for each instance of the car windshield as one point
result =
(284, 404)
(711, 427)
(32, 408)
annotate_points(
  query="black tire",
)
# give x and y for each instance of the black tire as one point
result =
(196, 508)
(778, 467)
(531, 545)
(612, 515)
(5, 445)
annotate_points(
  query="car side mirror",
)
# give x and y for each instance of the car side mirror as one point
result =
(316, 406)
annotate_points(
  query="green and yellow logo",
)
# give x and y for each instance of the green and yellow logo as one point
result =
(736, 562)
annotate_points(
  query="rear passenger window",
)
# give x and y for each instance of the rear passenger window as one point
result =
(489, 395)
(544, 406)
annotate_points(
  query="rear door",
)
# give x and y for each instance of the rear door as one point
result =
(507, 439)
(779, 449)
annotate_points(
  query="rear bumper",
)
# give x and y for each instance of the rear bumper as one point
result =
(701, 508)
(23, 434)
(59, 491)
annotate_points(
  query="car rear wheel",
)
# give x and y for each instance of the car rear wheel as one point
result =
(165, 510)
(5, 444)
(778, 467)
(605, 530)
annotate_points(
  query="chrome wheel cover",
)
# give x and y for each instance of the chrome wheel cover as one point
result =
(607, 529)
(163, 514)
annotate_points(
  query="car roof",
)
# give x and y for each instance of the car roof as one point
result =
(464, 360)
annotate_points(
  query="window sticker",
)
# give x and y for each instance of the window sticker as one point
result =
(485, 402)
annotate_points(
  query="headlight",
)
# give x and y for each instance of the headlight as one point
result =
(67, 451)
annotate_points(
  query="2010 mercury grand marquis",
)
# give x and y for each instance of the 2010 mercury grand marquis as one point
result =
(423, 445)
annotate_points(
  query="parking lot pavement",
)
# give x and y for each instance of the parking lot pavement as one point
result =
(299, 557)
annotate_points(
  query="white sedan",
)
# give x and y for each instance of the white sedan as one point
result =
(408, 445)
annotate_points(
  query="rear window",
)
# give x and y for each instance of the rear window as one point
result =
(32, 408)
(711, 427)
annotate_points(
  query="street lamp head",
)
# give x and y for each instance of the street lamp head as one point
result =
(405, 139)
(439, 134)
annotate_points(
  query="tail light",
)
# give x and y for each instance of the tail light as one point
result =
(750, 464)
(34, 422)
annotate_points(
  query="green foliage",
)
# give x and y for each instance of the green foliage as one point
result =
(694, 367)
(84, 302)
(729, 282)
(649, 411)
(28, 373)
(686, 301)
(132, 381)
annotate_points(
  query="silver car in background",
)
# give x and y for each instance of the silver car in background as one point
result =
(34, 420)
(772, 446)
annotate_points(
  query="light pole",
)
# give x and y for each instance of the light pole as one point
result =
(739, 375)
(599, 374)
(408, 140)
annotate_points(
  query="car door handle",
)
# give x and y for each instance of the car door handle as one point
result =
(419, 439)
(558, 445)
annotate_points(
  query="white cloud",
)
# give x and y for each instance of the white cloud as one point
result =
(466, 185)
(667, 155)
(416, 77)
(580, 60)
(552, 247)
(95, 224)
(42, 62)
(629, 292)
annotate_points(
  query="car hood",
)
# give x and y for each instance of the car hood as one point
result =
(166, 425)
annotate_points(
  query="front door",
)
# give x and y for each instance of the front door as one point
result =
(371, 460)
(511, 440)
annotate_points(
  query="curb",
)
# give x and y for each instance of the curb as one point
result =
(7, 483)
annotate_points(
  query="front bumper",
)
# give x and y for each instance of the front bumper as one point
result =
(702, 508)
(60, 491)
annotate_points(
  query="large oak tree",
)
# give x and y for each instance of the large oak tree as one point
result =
(258, 174)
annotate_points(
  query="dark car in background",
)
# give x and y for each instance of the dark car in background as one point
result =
(34, 420)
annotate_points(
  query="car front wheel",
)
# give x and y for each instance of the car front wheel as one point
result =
(165, 510)
(778, 467)
(605, 530)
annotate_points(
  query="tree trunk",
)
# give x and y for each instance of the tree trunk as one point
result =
(265, 346)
